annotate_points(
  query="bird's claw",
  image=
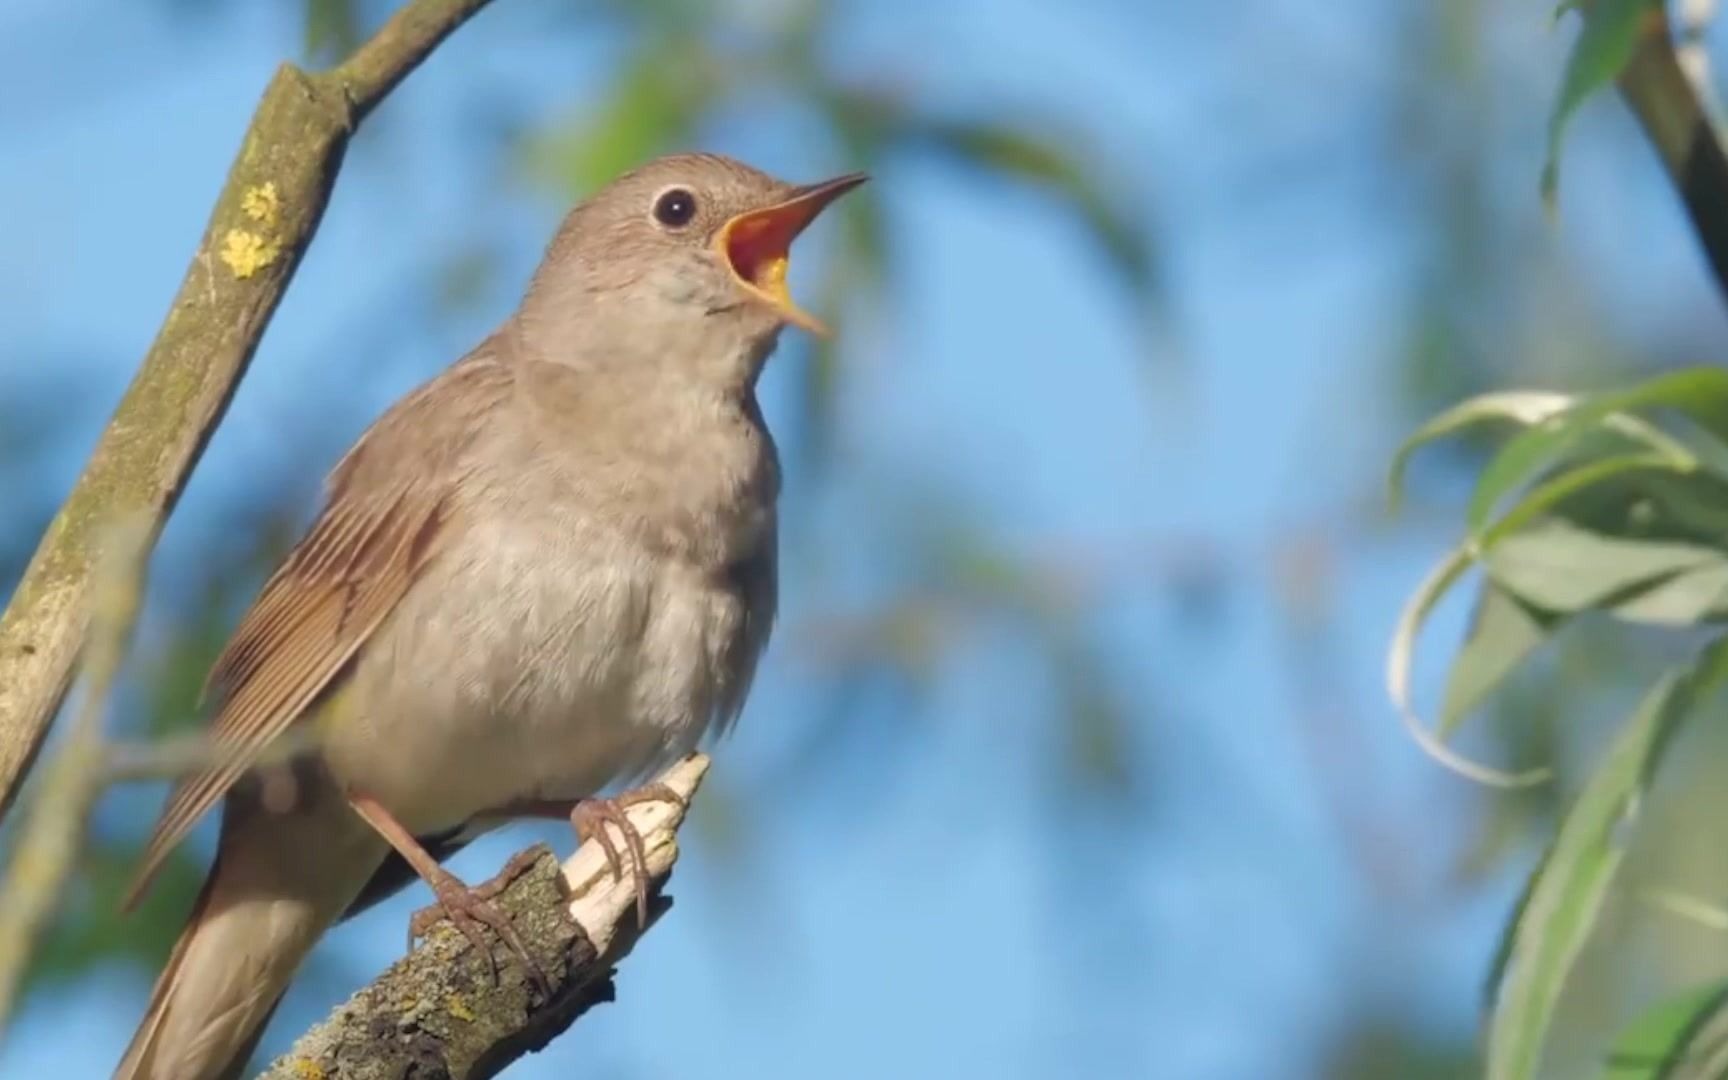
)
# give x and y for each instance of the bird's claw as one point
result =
(590, 818)
(468, 907)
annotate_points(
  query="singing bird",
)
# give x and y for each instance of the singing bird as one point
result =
(547, 572)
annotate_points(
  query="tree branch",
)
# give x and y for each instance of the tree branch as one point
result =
(438, 1012)
(51, 836)
(1673, 107)
(262, 223)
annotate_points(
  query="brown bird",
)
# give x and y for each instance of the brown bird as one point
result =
(549, 570)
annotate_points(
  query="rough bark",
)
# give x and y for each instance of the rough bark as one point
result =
(262, 223)
(439, 1013)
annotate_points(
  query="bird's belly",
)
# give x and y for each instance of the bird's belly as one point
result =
(516, 675)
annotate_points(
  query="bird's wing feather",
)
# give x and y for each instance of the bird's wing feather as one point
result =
(390, 507)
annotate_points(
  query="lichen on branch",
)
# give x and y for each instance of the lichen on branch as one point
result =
(441, 1012)
(263, 222)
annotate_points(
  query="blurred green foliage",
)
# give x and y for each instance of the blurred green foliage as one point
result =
(1481, 310)
(1609, 506)
(681, 65)
(1605, 506)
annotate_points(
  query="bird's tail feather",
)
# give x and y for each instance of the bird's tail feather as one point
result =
(223, 980)
(136, 1063)
(277, 884)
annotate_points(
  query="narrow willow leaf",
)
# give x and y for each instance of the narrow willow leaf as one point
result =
(1399, 659)
(1503, 631)
(1569, 888)
(1663, 504)
(1683, 1038)
(652, 106)
(1545, 496)
(1693, 596)
(1700, 393)
(1524, 407)
(1047, 161)
(1610, 33)
(1527, 408)
(1695, 504)
(331, 29)
(819, 376)
(1564, 488)
(1558, 566)
(1693, 909)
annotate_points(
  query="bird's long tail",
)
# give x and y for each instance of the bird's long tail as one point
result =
(276, 885)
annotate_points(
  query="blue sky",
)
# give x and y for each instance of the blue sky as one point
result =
(919, 920)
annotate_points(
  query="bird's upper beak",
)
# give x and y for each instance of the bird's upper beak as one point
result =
(756, 244)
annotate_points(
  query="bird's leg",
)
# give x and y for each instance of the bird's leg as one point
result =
(589, 817)
(467, 907)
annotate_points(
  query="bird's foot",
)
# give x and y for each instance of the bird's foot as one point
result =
(469, 907)
(590, 818)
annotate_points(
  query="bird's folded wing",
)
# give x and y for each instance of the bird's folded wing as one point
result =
(390, 508)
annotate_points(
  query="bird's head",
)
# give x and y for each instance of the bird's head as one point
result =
(684, 246)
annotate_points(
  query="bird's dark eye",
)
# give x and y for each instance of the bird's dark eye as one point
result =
(675, 208)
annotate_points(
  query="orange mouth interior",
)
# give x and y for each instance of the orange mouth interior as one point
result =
(757, 246)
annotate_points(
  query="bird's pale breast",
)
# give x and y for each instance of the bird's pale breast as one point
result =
(544, 655)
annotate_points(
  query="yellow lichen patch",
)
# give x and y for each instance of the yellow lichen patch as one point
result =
(246, 252)
(458, 1008)
(307, 1069)
(261, 203)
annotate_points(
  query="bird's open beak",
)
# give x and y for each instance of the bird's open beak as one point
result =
(756, 245)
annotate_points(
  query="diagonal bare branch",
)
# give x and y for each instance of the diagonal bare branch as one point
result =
(262, 223)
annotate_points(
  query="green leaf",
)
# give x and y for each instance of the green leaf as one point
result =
(1652, 505)
(1606, 43)
(1047, 161)
(1524, 407)
(1700, 393)
(464, 274)
(1571, 487)
(1683, 1038)
(1509, 932)
(1398, 665)
(819, 375)
(863, 124)
(331, 29)
(1503, 631)
(1553, 492)
(1529, 409)
(1693, 505)
(1557, 566)
(1570, 886)
(1693, 596)
(653, 105)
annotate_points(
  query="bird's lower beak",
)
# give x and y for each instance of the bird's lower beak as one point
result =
(756, 245)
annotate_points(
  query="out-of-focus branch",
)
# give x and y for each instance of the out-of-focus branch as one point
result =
(1665, 85)
(438, 1011)
(263, 221)
(53, 831)
(183, 755)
